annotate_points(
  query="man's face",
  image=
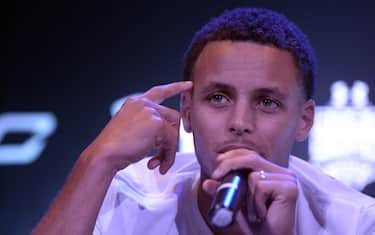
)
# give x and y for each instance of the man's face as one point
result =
(245, 95)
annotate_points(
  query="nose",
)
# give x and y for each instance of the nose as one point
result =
(241, 120)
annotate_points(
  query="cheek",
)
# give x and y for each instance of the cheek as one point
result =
(206, 127)
(206, 123)
(280, 135)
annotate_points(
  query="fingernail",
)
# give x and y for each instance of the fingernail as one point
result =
(154, 163)
(163, 170)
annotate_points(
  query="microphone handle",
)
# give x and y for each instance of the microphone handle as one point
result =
(228, 199)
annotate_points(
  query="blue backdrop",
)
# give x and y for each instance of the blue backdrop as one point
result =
(73, 59)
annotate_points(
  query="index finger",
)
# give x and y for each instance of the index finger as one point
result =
(238, 159)
(160, 93)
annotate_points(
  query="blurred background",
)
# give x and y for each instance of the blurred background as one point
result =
(66, 63)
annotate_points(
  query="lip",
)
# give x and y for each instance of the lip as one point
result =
(229, 147)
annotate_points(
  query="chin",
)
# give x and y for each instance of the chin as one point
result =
(206, 168)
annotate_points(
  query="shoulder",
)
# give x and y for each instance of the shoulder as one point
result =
(315, 181)
(331, 204)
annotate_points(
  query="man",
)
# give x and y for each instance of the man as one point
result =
(250, 97)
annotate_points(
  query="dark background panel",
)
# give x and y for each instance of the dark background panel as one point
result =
(74, 59)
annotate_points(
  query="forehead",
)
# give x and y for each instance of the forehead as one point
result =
(246, 64)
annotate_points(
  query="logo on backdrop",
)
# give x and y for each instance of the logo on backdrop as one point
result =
(38, 125)
(341, 142)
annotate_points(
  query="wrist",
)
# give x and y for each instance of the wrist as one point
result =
(100, 160)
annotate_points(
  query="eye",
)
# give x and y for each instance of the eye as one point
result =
(268, 104)
(218, 99)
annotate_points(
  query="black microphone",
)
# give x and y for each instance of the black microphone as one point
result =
(228, 199)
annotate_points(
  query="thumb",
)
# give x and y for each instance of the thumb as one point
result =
(210, 186)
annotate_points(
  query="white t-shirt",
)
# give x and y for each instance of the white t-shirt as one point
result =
(142, 201)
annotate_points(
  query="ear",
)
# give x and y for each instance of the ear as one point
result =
(186, 105)
(306, 120)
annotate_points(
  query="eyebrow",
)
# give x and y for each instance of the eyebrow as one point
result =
(218, 86)
(261, 90)
(273, 90)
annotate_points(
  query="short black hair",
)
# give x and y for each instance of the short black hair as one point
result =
(261, 26)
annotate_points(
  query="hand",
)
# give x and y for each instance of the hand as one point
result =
(272, 195)
(141, 125)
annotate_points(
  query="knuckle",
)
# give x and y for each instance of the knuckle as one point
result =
(175, 118)
(148, 111)
(156, 89)
(156, 118)
(146, 114)
(131, 99)
(157, 121)
(143, 100)
(290, 190)
(125, 104)
(253, 159)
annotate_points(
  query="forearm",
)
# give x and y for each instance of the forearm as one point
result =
(129, 136)
(75, 209)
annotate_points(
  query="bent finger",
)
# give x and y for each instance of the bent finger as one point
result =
(169, 146)
(250, 161)
(262, 196)
(154, 161)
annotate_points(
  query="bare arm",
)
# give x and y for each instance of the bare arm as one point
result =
(140, 125)
(75, 209)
